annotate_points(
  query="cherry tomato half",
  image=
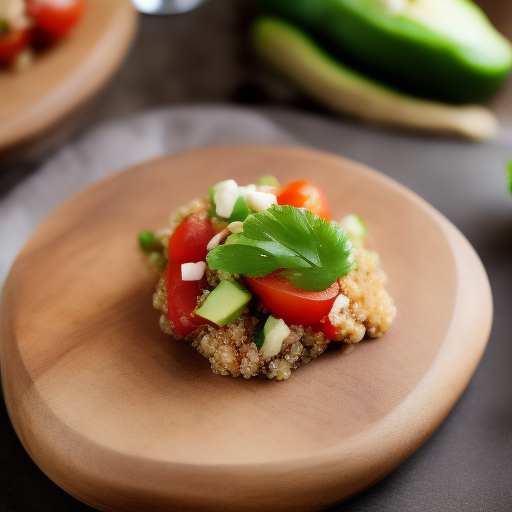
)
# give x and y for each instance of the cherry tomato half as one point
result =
(182, 300)
(187, 244)
(326, 328)
(55, 18)
(190, 238)
(293, 305)
(305, 194)
(13, 43)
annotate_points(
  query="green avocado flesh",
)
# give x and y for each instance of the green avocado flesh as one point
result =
(445, 50)
(225, 303)
(275, 331)
(298, 58)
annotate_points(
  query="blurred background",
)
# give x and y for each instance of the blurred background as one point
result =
(203, 57)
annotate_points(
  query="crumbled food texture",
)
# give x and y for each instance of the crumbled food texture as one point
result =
(364, 309)
(371, 309)
(232, 351)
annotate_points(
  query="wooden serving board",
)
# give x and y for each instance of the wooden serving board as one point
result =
(125, 418)
(41, 103)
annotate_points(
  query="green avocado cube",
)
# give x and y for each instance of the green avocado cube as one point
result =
(225, 303)
(445, 50)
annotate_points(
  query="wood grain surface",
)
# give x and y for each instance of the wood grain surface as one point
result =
(125, 418)
(38, 104)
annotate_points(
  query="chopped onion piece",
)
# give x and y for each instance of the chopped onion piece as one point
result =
(339, 306)
(225, 196)
(244, 191)
(193, 271)
(218, 238)
(236, 226)
(260, 201)
(266, 188)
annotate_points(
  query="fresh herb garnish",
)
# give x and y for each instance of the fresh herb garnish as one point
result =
(509, 175)
(312, 252)
(148, 241)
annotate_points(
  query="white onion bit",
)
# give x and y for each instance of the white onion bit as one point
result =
(225, 196)
(192, 271)
(260, 201)
(217, 239)
(236, 226)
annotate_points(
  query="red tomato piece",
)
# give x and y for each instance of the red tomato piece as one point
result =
(13, 43)
(190, 238)
(182, 300)
(186, 245)
(325, 327)
(55, 18)
(293, 305)
(305, 194)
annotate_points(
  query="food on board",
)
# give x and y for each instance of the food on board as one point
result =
(260, 280)
(412, 54)
(28, 26)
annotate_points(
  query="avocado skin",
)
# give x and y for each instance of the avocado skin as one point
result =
(397, 51)
(298, 58)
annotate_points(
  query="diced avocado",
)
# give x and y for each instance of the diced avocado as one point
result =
(275, 331)
(355, 228)
(446, 50)
(271, 322)
(300, 59)
(225, 303)
(268, 181)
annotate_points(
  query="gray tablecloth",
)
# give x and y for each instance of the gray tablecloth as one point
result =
(116, 146)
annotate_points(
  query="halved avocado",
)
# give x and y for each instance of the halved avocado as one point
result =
(296, 56)
(445, 50)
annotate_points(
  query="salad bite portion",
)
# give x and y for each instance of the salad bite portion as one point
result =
(28, 26)
(260, 279)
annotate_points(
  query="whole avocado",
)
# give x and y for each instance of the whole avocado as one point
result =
(446, 50)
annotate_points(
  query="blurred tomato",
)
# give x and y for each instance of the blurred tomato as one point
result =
(13, 43)
(55, 18)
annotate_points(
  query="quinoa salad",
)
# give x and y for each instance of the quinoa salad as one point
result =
(260, 280)
(29, 27)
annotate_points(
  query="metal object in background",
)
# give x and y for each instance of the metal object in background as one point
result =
(166, 6)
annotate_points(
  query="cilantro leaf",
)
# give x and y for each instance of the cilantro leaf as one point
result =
(311, 252)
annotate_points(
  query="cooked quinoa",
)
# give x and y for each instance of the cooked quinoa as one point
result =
(364, 308)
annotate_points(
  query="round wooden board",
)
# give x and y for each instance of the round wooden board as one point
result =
(39, 103)
(125, 418)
